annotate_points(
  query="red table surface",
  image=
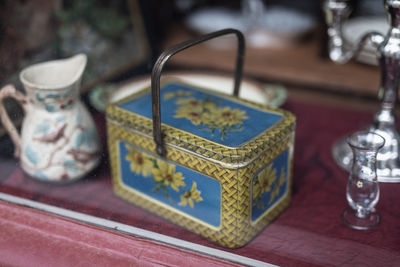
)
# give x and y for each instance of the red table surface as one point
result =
(309, 232)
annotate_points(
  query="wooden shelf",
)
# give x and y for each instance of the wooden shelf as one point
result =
(300, 65)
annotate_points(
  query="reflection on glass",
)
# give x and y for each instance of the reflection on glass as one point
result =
(362, 191)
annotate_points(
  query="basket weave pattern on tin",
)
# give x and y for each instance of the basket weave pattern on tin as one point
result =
(201, 146)
(236, 228)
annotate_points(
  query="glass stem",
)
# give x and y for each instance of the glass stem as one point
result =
(362, 213)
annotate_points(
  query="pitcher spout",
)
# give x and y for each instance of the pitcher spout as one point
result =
(77, 63)
(55, 74)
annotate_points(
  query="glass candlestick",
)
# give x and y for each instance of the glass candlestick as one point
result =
(388, 55)
(362, 190)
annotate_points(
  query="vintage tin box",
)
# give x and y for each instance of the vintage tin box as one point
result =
(217, 165)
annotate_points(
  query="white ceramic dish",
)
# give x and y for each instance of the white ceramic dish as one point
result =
(268, 94)
(274, 27)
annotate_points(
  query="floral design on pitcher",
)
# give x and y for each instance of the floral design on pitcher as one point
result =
(164, 177)
(79, 139)
(31, 155)
(44, 132)
(208, 115)
(266, 182)
(54, 102)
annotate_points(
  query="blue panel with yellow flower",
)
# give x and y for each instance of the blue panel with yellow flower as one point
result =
(269, 185)
(210, 116)
(181, 188)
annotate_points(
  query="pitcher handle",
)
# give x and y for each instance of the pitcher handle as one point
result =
(10, 91)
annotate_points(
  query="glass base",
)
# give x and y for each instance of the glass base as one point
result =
(351, 220)
(388, 171)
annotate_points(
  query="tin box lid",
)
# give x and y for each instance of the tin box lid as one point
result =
(218, 127)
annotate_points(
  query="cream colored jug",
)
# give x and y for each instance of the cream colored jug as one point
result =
(58, 140)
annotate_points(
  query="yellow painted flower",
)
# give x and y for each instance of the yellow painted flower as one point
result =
(277, 187)
(265, 180)
(256, 190)
(192, 102)
(228, 116)
(281, 180)
(165, 173)
(139, 163)
(179, 93)
(208, 114)
(211, 118)
(193, 113)
(191, 195)
(210, 106)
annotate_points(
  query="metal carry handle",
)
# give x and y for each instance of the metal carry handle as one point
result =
(163, 58)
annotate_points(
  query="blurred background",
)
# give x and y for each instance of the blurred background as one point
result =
(286, 41)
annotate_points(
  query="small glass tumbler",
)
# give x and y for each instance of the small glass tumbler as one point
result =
(362, 190)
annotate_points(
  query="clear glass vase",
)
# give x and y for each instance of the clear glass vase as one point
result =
(362, 190)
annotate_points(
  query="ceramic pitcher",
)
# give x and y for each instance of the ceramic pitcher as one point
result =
(58, 140)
